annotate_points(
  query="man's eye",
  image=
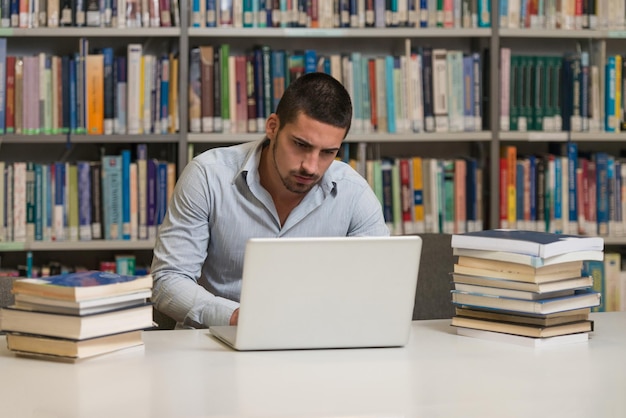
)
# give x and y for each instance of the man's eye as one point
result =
(301, 144)
(330, 152)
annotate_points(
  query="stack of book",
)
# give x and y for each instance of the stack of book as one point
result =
(77, 315)
(524, 287)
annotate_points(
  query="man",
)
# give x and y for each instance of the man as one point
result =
(286, 185)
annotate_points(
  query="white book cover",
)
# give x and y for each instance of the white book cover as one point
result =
(19, 201)
(505, 77)
(455, 91)
(401, 97)
(440, 90)
(133, 81)
(595, 123)
(514, 14)
(416, 93)
(148, 77)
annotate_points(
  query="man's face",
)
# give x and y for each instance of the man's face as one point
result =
(303, 150)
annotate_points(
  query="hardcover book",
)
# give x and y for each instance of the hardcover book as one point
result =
(585, 299)
(538, 244)
(74, 349)
(534, 331)
(521, 340)
(82, 285)
(76, 327)
(557, 318)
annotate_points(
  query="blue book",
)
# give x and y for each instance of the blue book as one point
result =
(572, 187)
(279, 75)
(48, 188)
(248, 14)
(423, 14)
(534, 243)
(259, 96)
(161, 192)
(109, 91)
(389, 87)
(612, 193)
(196, 15)
(126, 233)
(84, 200)
(582, 299)
(468, 96)
(83, 285)
(165, 95)
(151, 192)
(39, 202)
(73, 127)
(60, 212)
(504, 13)
(211, 14)
(310, 61)
(484, 13)
(610, 122)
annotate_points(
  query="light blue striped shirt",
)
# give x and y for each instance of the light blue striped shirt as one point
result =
(218, 204)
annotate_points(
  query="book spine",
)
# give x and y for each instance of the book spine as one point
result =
(142, 184)
(125, 194)
(109, 91)
(195, 92)
(84, 200)
(96, 199)
(73, 222)
(59, 202)
(39, 203)
(151, 192)
(134, 80)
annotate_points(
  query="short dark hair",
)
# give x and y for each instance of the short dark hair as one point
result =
(319, 96)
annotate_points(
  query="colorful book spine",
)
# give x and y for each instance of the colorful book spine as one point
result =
(125, 158)
(84, 200)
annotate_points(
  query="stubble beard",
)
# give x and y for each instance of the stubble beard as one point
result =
(289, 184)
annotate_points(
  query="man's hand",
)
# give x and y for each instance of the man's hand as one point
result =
(234, 317)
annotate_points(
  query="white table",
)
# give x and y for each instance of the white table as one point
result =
(439, 374)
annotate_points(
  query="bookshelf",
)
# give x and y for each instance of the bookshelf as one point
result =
(483, 144)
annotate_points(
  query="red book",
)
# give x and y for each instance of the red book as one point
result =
(10, 95)
(371, 63)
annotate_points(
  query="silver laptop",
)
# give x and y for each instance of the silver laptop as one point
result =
(309, 293)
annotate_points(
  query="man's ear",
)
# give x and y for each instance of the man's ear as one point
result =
(271, 126)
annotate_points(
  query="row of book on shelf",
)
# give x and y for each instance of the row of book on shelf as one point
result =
(566, 14)
(566, 192)
(420, 194)
(421, 90)
(91, 92)
(525, 287)
(124, 264)
(561, 93)
(114, 198)
(78, 315)
(91, 13)
(341, 14)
